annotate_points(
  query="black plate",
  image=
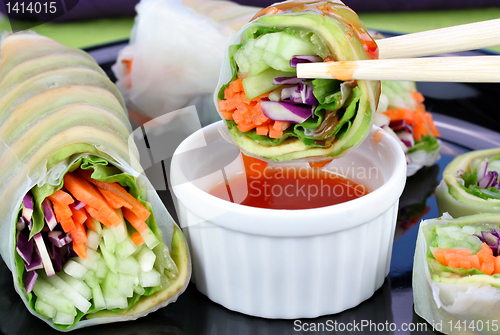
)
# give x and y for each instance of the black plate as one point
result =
(389, 311)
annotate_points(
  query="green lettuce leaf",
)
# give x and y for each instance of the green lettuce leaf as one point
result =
(234, 70)
(489, 193)
(469, 178)
(428, 143)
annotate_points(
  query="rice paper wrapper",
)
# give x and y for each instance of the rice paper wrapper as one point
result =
(59, 106)
(347, 47)
(446, 306)
(453, 198)
(175, 52)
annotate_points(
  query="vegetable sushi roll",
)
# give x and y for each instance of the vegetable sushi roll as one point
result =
(272, 114)
(401, 112)
(456, 274)
(83, 231)
(471, 184)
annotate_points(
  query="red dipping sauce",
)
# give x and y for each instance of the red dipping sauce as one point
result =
(287, 187)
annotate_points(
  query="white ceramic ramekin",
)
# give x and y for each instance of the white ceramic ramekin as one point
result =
(288, 263)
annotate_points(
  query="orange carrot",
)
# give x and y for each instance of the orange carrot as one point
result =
(88, 194)
(67, 225)
(128, 64)
(114, 200)
(136, 222)
(461, 258)
(247, 113)
(486, 254)
(62, 197)
(474, 262)
(262, 130)
(278, 128)
(61, 211)
(79, 215)
(488, 268)
(139, 209)
(99, 216)
(419, 119)
(80, 250)
(417, 96)
(497, 265)
(91, 224)
(439, 256)
(79, 234)
(137, 239)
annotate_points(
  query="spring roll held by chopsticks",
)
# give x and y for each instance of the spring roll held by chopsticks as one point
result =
(84, 233)
(272, 114)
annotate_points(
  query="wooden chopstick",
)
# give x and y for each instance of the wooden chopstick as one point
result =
(444, 69)
(470, 36)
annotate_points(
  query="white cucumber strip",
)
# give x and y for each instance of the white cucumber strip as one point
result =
(149, 279)
(146, 259)
(120, 302)
(63, 319)
(126, 285)
(126, 248)
(44, 309)
(109, 240)
(102, 270)
(92, 260)
(74, 269)
(129, 266)
(93, 240)
(149, 238)
(120, 231)
(98, 298)
(91, 279)
(53, 297)
(109, 257)
(110, 287)
(78, 285)
(80, 302)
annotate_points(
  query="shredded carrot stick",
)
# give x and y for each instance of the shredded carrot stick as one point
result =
(61, 197)
(79, 216)
(79, 234)
(278, 128)
(247, 113)
(139, 209)
(87, 193)
(136, 222)
(91, 224)
(461, 258)
(100, 216)
(61, 211)
(418, 96)
(419, 119)
(137, 239)
(67, 225)
(114, 200)
(128, 64)
(80, 250)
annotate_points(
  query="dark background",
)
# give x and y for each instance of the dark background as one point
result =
(94, 9)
